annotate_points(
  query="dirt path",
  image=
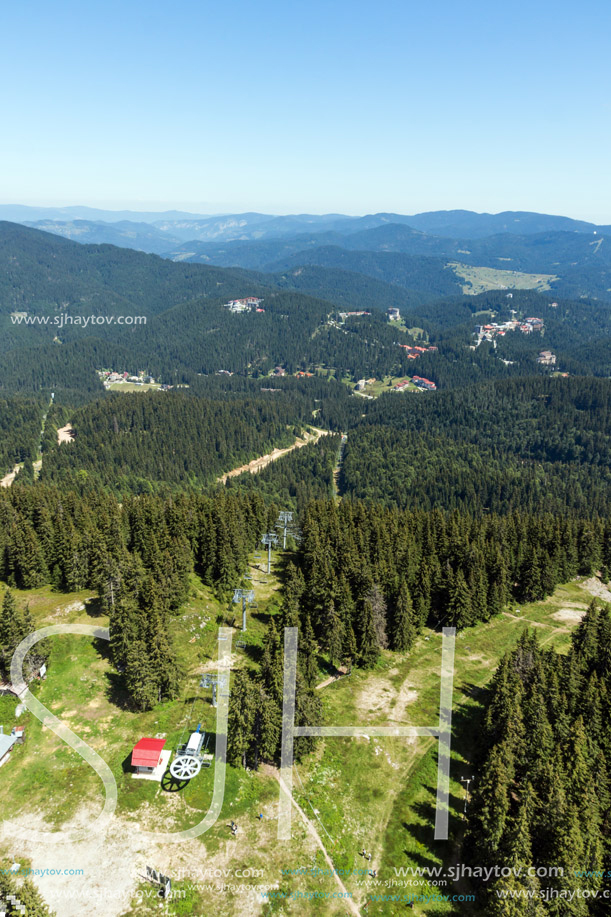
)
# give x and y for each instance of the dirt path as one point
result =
(65, 434)
(8, 479)
(341, 673)
(264, 460)
(314, 834)
(338, 466)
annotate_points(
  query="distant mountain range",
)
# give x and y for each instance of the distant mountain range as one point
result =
(252, 226)
(411, 251)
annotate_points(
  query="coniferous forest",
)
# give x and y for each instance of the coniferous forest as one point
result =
(412, 509)
(543, 795)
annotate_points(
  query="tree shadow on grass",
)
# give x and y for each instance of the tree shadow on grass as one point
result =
(116, 692)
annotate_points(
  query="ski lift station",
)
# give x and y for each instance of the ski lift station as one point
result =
(190, 758)
(149, 759)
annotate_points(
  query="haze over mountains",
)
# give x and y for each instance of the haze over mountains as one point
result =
(428, 253)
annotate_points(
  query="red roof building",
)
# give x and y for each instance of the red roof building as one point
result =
(147, 753)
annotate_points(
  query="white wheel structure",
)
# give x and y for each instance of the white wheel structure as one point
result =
(185, 767)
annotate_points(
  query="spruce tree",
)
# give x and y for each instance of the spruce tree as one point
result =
(242, 709)
(369, 649)
(404, 630)
(460, 607)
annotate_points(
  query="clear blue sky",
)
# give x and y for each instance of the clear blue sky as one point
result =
(317, 106)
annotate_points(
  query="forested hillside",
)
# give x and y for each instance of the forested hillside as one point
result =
(188, 332)
(375, 576)
(45, 273)
(135, 443)
(535, 444)
(295, 479)
(542, 795)
(429, 274)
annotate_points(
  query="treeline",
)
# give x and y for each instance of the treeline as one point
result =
(137, 556)
(303, 475)
(374, 576)
(532, 444)
(542, 797)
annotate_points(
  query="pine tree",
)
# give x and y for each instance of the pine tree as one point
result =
(517, 895)
(272, 664)
(333, 633)
(308, 712)
(460, 608)
(266, 730)
(369, 650)
(568, 854)
(375, 598)
(404, 629)
(242, 710)
(531, 578)
(307, 663)
(15, 625)
(490, 806)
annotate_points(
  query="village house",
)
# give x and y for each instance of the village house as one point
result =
(421, 382)
(244, 305)
(413, 352)
(546, 358)
(393, 315)
(500, 329)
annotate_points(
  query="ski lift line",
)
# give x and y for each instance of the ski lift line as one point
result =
(199, 697)
(311, 806)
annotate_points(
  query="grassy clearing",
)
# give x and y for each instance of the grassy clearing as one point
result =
(480, 279)
(380, 386)
(134, 386)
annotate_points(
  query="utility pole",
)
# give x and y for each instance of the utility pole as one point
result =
(466, 780)
(245, 596)
(269, 539)
(284, 520)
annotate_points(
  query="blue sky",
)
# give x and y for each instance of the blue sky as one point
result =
(340, 105)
